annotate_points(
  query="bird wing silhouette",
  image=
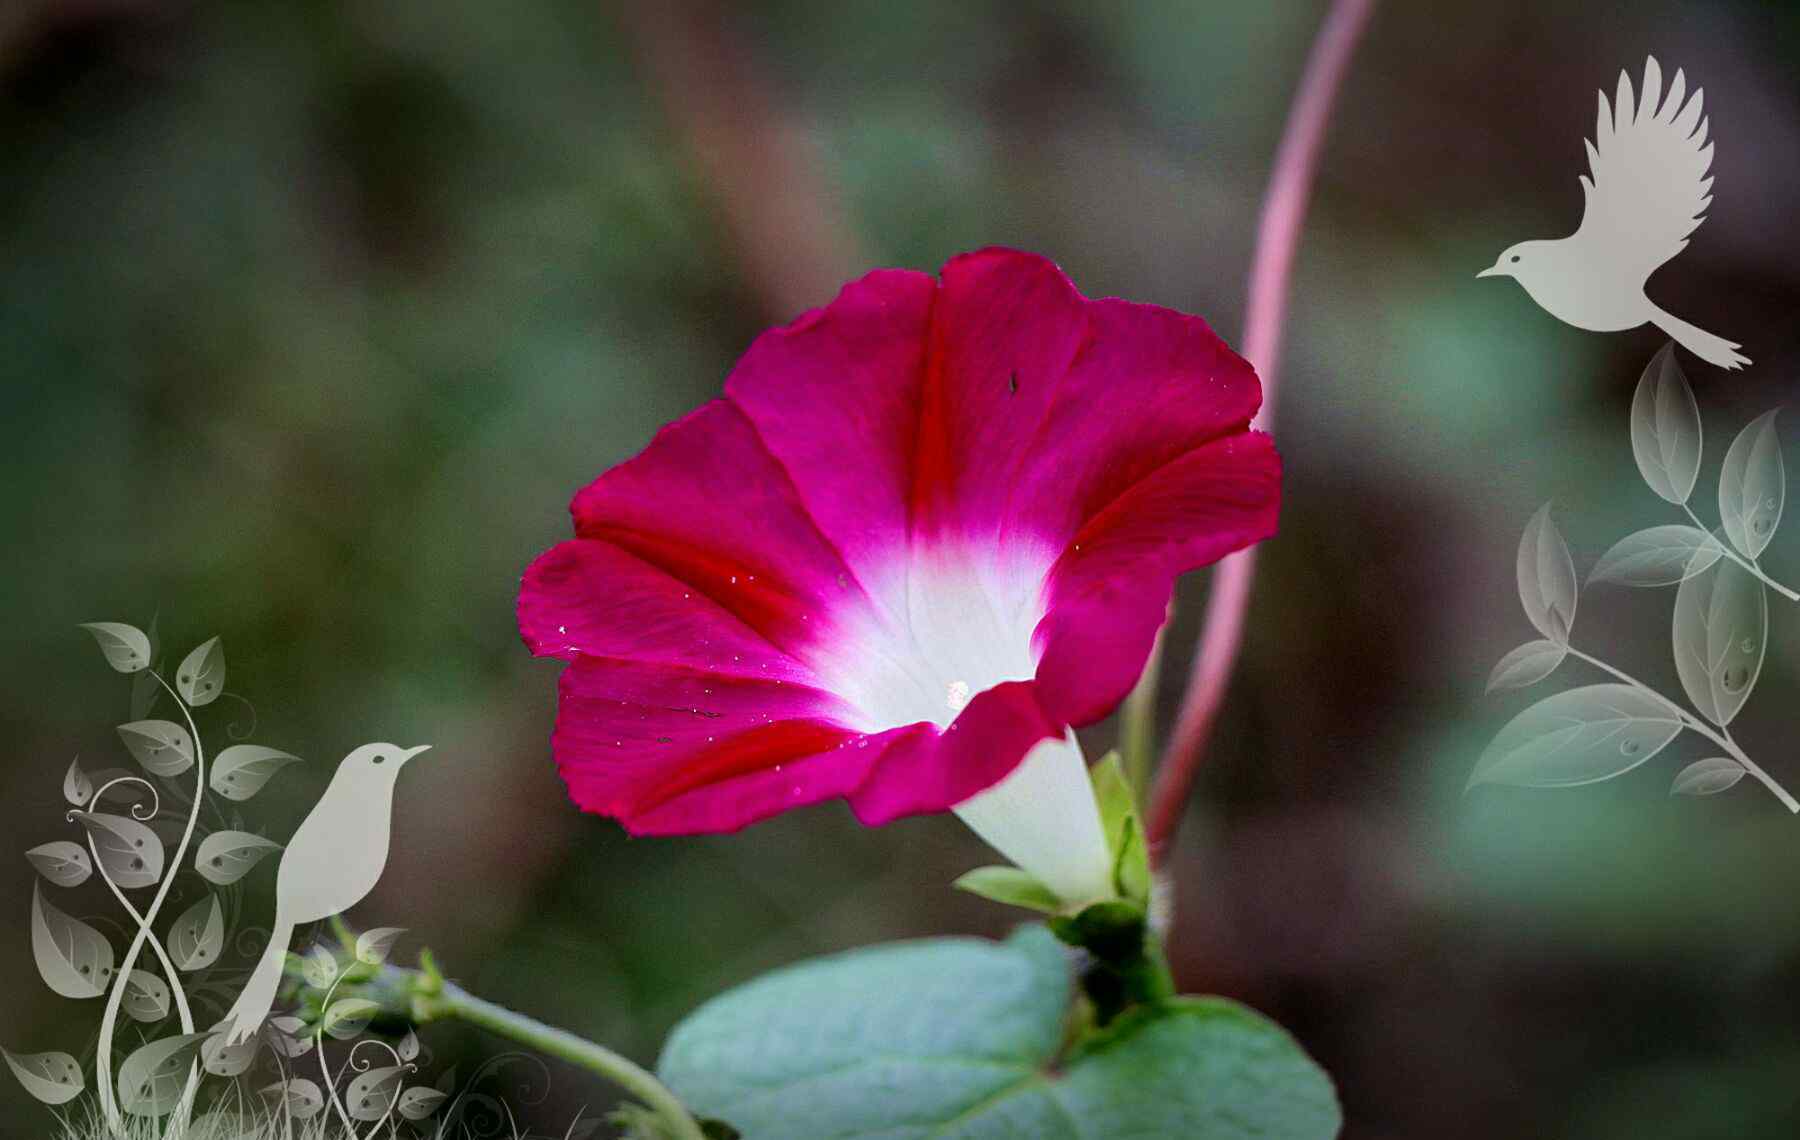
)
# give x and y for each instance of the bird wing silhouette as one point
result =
(1648, 162)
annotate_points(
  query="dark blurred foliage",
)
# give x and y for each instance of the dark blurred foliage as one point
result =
(313, 316)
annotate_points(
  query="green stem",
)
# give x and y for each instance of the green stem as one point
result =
(1138, 735)
(435, 998)
(1695, 724)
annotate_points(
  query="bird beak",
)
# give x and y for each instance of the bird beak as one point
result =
(1492, 271)
(411, 752)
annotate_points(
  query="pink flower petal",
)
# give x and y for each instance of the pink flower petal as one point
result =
(931, 525)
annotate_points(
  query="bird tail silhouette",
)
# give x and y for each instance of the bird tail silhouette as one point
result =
(1715, 350)
(258, 996)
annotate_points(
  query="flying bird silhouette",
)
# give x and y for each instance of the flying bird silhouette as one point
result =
(330, 864)
(1646, 191)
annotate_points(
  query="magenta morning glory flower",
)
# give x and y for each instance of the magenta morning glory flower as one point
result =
(930, 529)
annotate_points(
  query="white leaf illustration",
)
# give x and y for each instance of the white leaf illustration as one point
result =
(1707, 777)
(53, 1078)
(74, 959)
(1527, 665)
(77, 788)
(298, 1098)
(222, 1060)
(126, 647)
(1659, 556)
(408, 1047)
(373, 946)
(1720, 627)
(227, 856)
(347, 1018)
(1581, 736)
(288, 1036)
(240, 771)
(130, 853)
(1547, 577)
(371, 1094)
(162, 747)
(320, 968)
(418, 1102)
(1752, 487)
(152, 1078)
(197, 936)
(1665, 428)
(146, 996)
(201, 677)
(62, 862)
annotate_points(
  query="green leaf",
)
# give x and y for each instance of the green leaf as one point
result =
(962, 1039)
(1123, 828)
(1011, 886)
(201, 677)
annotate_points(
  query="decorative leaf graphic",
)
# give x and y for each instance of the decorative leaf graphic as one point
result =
(162, 747)
(227, 856)
(288, 1036)
(152, 1078)
(1721, 624)
(1659, 556)
(1707, 777)
(298, 1098)
(321, 968)
(408, 1047)
(1752, 487)
(75, 960)
(54, 1078)
(446, 1082)
(1547, 577)
(130, 853)
(146, 997)
(418, 1102)
(222, 1060)
(201, 677)
(240, 771)
(77, 788)
(371, 1094)
(373, 946)
(197, 936)
(1582, 736)
(346, 1019)
(1665, 428)
(62, 862)
(125, 646)
(1527, 665)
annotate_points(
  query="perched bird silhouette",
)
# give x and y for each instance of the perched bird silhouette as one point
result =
(1647, 192)
(330, 864)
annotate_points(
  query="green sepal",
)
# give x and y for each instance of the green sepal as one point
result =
(1124, 830)
(1011, 886)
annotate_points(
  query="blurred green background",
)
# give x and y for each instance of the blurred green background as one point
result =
(313, 316)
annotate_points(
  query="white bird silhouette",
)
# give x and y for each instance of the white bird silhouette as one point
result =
(1648, 191)
(333, 860)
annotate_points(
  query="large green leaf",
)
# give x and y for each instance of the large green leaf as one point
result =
(963, 1039)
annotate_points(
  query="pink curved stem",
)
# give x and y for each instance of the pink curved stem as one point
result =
(1277, 239)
